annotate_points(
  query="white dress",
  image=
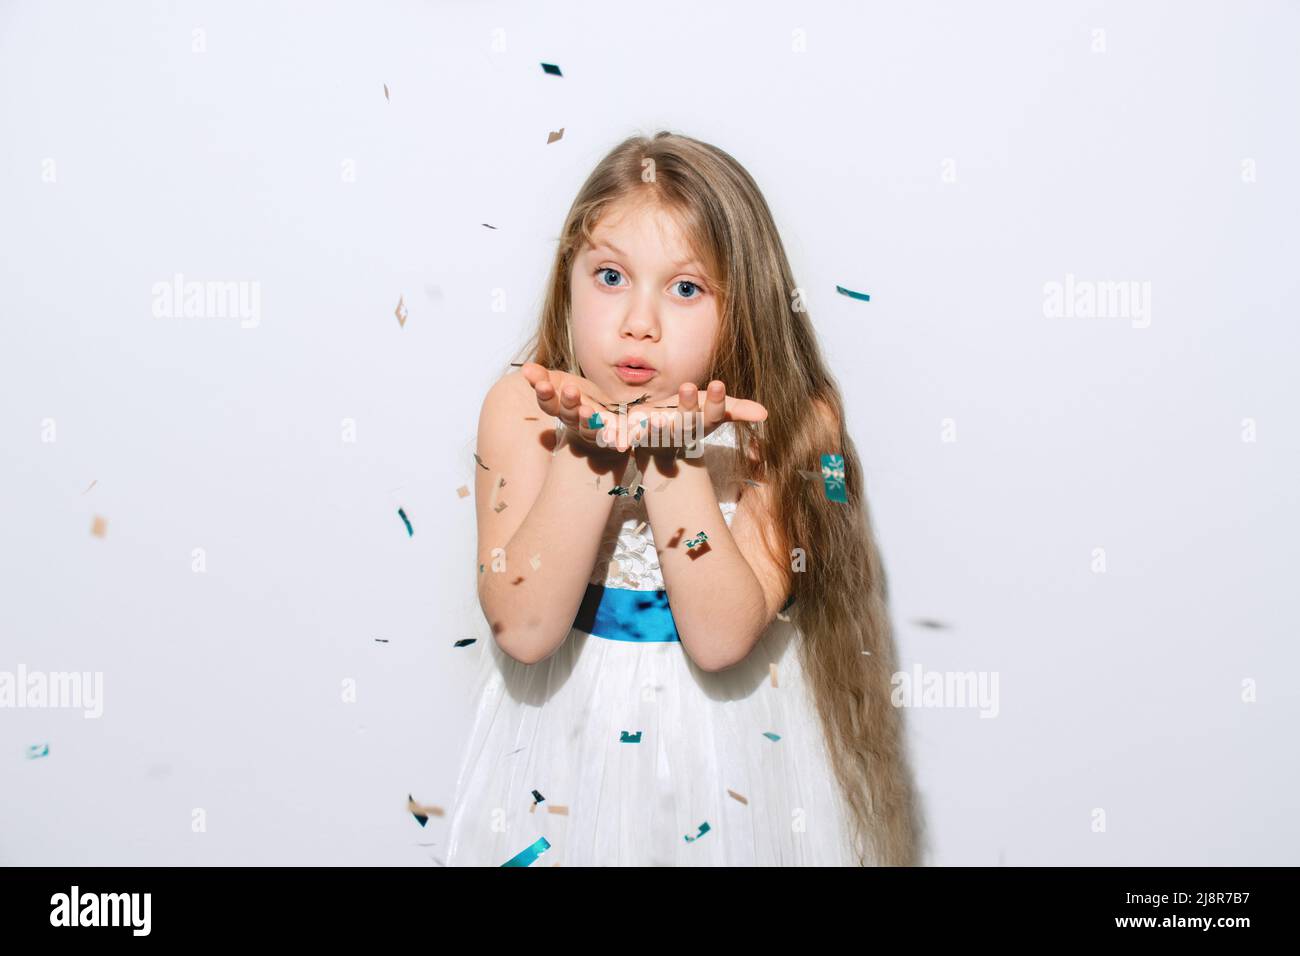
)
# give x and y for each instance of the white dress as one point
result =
(633, 748)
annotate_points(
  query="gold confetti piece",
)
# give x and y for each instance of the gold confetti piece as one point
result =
(868, 653)
(639, 528)
(536, 562)
(386, 92)
(559, 811)
(480, 462)
(424, 811)
(463, 491)
(772, 669)
(737, 796)
(99, 527)
(501, 506)
(552, 137)
(783, 617)
(92, 485)
(400, 311)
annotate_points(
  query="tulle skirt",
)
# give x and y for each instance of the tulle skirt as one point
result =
(642, 759)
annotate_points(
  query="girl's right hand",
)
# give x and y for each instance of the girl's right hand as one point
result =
(573, 400)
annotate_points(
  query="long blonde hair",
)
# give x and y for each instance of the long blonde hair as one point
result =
(766, 350)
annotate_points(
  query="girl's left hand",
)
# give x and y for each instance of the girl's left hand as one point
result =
(705, 412)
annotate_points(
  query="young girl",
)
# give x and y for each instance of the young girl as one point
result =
(691, 652)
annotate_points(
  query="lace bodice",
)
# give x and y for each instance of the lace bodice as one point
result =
(627, 557)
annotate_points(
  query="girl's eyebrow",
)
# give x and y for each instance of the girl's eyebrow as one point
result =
(596, 247)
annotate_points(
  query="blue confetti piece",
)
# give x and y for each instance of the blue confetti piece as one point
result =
(537, 798)
(626, 738)
(37, 750)
(552, 69)
(833, 476)
(409, 530)
(526, 856)
(595, 421)
(618, 490)
(851, 294)
(771, 736)
(411, 805)
(704, 828)
(465, 642)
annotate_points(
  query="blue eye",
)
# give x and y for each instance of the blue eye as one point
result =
(698, 290)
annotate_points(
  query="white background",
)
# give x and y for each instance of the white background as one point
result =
(1120, 691)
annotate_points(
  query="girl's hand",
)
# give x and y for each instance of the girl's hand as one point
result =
(703, 412)
(573, 400)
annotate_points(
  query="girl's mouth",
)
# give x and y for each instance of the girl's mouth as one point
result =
(634, 375)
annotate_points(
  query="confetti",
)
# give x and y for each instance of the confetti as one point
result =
(414, 807)
(529, 854)
(99, 527)
(492, 502)
(833, 476)
(420, 813)
(771, 666)
(409, 530)
(661, 487)
(386, 92)
(782, 617)
(771, 736)
(629, 738)
(851, 294)
(704, 828)
(537, 797)
(501, 506)
(92, 485)
(536, 562)
(480, 569)
(381, 640)
(554, 808)
(931, 623)
(480, 461)
(400, 311)
(699, 539)
(488, 225)
(639, 528)
(618, 490)
(732, 793)
(37, 750)
(552, 69)
(552, 136)
(463, 491)
(465, 641)
(639, 489)
(595, 421)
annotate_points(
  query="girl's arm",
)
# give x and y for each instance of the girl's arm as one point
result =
(554, 512)
(721, 599)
